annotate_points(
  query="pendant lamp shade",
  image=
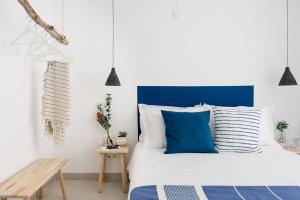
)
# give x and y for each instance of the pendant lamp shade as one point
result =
(287, 78)
(113, 79)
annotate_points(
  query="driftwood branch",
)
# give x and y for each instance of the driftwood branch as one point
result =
(36, 18)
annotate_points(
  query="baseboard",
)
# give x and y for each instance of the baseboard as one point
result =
(91, 176)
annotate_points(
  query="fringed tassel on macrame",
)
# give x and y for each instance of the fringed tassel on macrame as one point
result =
(55, 131)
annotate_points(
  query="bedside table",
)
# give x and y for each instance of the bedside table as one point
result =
(291, 148)
(121, 152)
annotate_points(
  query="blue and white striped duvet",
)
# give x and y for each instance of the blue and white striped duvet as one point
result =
(182, 192)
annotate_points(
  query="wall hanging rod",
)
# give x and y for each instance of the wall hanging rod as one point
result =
(37, 19)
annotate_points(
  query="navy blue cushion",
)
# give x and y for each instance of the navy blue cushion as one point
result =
(188, 132)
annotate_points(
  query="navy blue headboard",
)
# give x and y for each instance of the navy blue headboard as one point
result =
(185, 96)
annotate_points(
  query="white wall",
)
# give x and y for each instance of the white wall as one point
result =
(232, 42)
(215, 42)
(17, 139)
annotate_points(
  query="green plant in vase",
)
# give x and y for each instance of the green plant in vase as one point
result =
(104, 117)
(282, 126)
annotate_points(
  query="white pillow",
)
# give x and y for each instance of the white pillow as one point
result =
(212, 119)
(152, 123)
(266, 127)
(142, 121)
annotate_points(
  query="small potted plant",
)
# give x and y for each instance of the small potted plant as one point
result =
(122, 139)
(282, 126)
(104, 117)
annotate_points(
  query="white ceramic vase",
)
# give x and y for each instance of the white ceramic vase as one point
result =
(122, 141)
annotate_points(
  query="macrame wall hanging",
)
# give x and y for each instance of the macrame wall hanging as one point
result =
(56, 102)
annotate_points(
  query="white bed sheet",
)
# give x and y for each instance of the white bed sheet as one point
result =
(275, 166)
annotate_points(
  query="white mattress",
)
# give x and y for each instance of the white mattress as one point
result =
(275, 166)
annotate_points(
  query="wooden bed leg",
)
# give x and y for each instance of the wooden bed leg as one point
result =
(62, 184)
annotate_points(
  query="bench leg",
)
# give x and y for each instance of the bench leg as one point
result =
(62, 184)
(39, 194)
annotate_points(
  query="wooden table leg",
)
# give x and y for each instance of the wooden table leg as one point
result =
(102, 171)
(123, 171)
(62, 184)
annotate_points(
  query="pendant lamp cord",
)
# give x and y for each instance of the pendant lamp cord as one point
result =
(62, 15)
(113, 33)
(287, 32)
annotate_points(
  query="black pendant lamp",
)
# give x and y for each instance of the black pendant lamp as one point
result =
(287, 78)
(113, 79)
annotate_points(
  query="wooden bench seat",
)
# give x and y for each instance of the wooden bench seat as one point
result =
(31, 179)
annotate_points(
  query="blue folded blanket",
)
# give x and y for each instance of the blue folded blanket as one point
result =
(183, 192)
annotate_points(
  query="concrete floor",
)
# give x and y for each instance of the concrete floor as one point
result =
(85, 190)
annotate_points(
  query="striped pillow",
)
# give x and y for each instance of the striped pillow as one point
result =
(237, 129)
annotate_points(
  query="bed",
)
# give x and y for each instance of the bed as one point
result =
(272, 174)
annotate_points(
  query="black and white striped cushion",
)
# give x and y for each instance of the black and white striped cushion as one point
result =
(237, 129)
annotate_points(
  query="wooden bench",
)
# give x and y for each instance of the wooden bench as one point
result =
(31, 179)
